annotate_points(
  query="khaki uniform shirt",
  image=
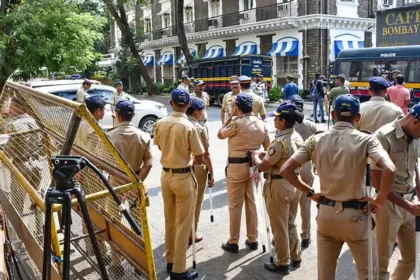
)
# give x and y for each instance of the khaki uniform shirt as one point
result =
(203, 132)
(245, 133)
(177, 137)
(206, 99)
(376, 113)
(133, 144)
(81, 95)
(305, 130)
(228, 99)
(403, 154)
(340, 156)
(258, 106)
(117, 97)
(287, 142)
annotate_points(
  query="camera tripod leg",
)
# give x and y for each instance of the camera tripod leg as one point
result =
(67, 234)
(82, 202)
(46, 268)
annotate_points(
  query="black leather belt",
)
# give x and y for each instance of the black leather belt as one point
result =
(238, 160)
(353, 204)
(178, 170)
(273, 176)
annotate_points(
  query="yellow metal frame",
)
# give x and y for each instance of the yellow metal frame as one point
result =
(135, 184)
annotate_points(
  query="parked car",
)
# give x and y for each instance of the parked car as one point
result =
(146, 111)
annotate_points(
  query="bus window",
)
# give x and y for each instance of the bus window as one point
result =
(350, 70)
(414, 74)
(374, 68)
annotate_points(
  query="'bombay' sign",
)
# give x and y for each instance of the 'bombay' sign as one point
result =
(398, 27)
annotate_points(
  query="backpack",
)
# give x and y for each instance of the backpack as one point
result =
(314, 92)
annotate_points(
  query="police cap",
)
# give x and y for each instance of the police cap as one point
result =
(347, 105)
(197, 103)
(180, 96)
(415, 111)
(244, 79)
(125, 107)
(244, 101)
(287, 107)
(378, 83)
(95, 102)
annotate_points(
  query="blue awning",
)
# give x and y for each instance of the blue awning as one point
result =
(148, 60)
(166, 59)
(344, 45)
(213, 53)
(285, 48)
(182, 58)
(245, 49)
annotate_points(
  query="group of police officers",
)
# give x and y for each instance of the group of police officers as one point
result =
(375, 131)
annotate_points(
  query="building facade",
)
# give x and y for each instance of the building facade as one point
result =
(302, 36)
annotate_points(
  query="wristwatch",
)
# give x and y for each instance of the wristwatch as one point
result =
(310, 193)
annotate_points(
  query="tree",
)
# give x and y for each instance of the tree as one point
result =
(54, 34)
(180, 30)
(118, 12)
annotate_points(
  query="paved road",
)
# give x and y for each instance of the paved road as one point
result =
(212, 262)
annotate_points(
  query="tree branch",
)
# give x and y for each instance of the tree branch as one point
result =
(179, 18)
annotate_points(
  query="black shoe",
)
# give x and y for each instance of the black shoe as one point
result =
(283, 269)
(316, 121)
(187, 275)
(323, 121)
(296, 263)
(169, 267)
(306, 242)
(273, 242)
(198, 238)
(251, 245)
(233, 248)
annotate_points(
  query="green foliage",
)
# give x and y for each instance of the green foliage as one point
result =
(54, 34)
(275, 93)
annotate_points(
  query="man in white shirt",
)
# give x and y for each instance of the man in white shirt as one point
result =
(82, 93)
(185, 84)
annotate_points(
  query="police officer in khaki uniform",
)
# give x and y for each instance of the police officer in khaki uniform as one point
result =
(377, 111)
(82, 93)
(116, 97)
(177, 138)
(96, 107)
(228, 98)
(258, 103)
(246, 133)
(397, 220)
(200, 93)
(196, 114)
(280, 197)
(305, 129)
(342, 173)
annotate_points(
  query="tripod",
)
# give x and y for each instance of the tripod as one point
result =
(65, 168)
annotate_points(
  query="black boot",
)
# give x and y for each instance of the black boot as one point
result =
(187, 275)
(306, 242)
(233, 248)
(251, 245)
(169, 267)
(296, 263)
(283, 269)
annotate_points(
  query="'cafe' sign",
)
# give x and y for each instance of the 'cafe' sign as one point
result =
(398, 27)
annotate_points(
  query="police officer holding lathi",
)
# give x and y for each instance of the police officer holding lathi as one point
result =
(305, 129)
(377, 111)
(397, 220)
(245, 133)
(340, 156)
(178, 139)
(197, 114)
(281, 198)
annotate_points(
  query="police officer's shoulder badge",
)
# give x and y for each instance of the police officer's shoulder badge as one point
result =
(271, 151)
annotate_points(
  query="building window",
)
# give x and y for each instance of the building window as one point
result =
(247, 5)
(166, 21)
(201, 50)
(287, 65)
(147, 25)
(168, 71)
(188, 17)
(230, 46)
(215, 8)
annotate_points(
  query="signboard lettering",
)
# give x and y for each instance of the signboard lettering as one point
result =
(398, 27)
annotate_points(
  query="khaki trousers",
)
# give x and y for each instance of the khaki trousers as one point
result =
(201, 176)
(179, 200)
(282, 201)
(335, 227)
(391, 223)
(305, 212)
(238, 193)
